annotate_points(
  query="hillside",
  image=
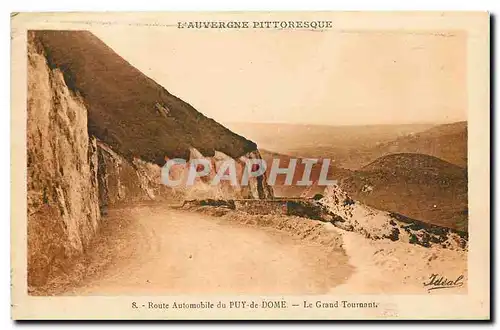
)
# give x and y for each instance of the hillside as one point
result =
(407, 163)
(418, 186)
(352, 147)
(447, 142)
(126, 109)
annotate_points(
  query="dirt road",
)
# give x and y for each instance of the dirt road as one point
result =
(156, 251)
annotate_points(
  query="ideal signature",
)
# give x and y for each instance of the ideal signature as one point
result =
(437, 281)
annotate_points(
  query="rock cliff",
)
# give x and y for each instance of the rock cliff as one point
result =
(63, 208)
(348, 214)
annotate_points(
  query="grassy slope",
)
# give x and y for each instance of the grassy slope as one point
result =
(125, 106)
(419, 186)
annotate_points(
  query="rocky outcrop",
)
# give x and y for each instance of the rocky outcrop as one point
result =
(258, 186)
(120, 180)
(345, 213)
(348, 214)
(203, 187)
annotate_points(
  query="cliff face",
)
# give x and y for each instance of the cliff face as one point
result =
(79, 165)
(120, 180)
(63, 208)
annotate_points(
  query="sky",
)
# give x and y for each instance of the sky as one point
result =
(311, 77)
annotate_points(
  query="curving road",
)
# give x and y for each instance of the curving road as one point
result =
(148, 250)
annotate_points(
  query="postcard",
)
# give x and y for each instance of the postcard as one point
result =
(250, 166)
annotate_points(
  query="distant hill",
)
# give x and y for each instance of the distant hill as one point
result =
(419, 186)
(447, 142)
(409, 163)
(129, 111)
(352, 147)
(323, 141)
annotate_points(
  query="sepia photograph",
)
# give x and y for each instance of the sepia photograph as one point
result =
(252, 162)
